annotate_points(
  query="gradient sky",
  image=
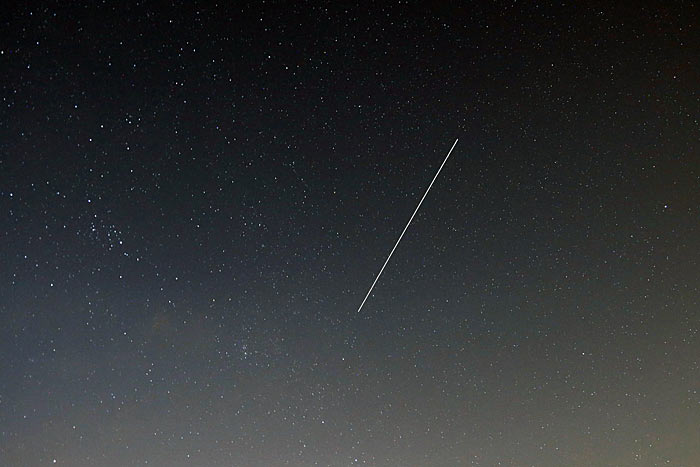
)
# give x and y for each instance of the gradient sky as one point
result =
(194, 200)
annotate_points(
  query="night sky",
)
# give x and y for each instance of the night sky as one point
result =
(195, 199)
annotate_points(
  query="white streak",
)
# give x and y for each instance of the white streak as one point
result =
(406, 228)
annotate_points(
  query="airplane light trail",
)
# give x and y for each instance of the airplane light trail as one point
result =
(406, 228)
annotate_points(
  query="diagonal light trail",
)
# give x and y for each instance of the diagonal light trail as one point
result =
(406, 228)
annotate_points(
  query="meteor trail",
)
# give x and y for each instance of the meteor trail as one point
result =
(406, 228)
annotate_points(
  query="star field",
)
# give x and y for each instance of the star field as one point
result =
(195, 198)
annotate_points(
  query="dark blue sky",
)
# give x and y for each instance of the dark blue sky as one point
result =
(194, 200)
